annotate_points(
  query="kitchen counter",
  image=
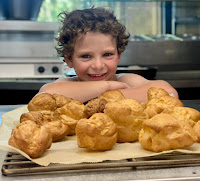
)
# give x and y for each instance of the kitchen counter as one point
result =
(166, 174)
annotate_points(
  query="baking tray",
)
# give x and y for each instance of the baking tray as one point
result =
(15, 164)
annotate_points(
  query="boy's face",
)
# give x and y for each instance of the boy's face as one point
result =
(95, 57)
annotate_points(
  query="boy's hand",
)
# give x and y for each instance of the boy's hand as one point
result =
(112, 85)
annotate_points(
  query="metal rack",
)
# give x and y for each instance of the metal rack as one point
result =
(15, 164)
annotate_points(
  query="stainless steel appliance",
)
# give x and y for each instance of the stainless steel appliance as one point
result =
(27, 50)
(27, 47)
(176, 58)
(28, 58)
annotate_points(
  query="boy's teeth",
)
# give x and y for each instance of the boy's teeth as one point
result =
(97, 75)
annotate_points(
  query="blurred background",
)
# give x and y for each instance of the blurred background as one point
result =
(164, 43)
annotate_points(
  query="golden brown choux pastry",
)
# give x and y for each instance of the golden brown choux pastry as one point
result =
(111, 96)
(165, 132)
(43, 101)
(70, 113)
(156, 93)
(58, 128)
(96, 133)
(46, 101)
(196, 128)
(31, 138)
(128, 115)
(95, 106)
(157, 105)
(61, 100)
(48, 119)
(35, 116)
(184, 113)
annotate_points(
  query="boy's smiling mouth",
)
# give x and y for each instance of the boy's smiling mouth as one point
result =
(97, 76)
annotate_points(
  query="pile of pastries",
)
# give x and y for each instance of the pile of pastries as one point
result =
(162, 123)
(50, 119)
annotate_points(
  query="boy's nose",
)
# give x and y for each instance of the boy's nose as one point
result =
(98, 64)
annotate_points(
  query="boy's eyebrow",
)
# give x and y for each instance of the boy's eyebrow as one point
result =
(83, 51)
(88, 51)
(110, 49)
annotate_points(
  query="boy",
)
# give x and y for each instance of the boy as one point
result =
(91, 41)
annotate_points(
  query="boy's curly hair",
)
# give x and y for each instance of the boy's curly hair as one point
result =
(88, 20)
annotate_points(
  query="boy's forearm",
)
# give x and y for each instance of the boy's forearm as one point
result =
(85, 91)
(82, 91)
(140, 93)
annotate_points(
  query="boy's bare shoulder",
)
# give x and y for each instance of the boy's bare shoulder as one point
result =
(67, 79)
(125, 76)
(132, 80)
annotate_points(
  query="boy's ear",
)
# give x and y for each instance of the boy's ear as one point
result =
(68, 62)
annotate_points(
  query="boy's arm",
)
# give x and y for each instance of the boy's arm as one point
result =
(140, 93)
(139, 87)
(82, 91)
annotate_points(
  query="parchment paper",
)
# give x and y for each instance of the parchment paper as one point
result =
(67, 151)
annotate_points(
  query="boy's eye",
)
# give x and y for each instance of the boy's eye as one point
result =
(107, 54)
(85, 56)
